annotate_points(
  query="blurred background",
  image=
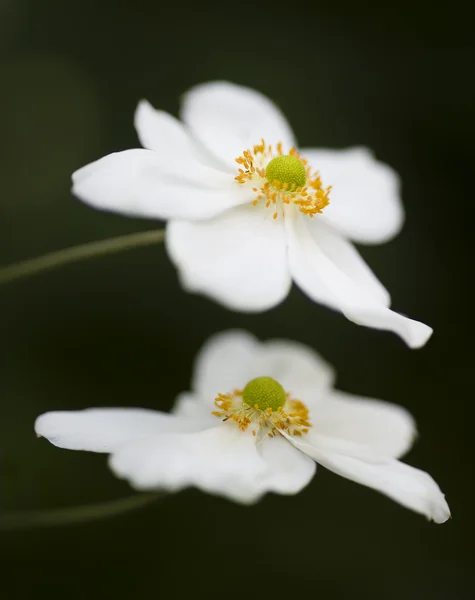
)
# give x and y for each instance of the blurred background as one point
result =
(118, 331)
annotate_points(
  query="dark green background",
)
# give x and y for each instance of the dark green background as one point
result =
(119, 331)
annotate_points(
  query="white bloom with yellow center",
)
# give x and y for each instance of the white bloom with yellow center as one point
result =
(248, 213)
(258, 417)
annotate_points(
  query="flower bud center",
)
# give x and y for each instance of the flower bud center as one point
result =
(264, 393)
(287, 171)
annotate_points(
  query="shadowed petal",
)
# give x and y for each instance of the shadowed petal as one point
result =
(411, 487)
(320, 265)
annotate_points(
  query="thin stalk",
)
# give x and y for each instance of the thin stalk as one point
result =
(60, 258)
(27, 519)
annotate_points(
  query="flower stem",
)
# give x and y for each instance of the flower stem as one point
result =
(26, 519)
(77, 253)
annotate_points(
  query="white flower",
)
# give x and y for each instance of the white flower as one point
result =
(258, 416)
(222, 233)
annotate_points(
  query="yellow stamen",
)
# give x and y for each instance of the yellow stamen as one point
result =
(286, 171)
(265, 408)
(287, 178)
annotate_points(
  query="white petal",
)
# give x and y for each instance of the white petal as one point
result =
(384, 427)
(193, 406)
(230, 118)
(162, 133)
(344, 254)
(106, 429)
(238, 258)
(299, 369)
(224, 363)
(222, 460)
(320, 264)
(365, 197)
(411, 487)
(230, 359)
(290, 469)
(172, 143)
(138, 183)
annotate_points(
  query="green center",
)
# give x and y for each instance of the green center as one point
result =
(264, 392)
(286, 170)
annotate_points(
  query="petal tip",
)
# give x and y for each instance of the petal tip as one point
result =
(41, 423)
(142, 106)
(441, 514)
(420, 336)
